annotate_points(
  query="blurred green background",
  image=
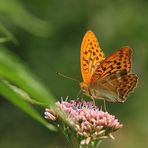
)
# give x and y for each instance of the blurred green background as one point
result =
(47, 36)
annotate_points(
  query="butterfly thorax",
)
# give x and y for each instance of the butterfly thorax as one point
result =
(88, 89)
(96, 90)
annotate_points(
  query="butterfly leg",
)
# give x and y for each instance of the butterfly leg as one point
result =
(104, 102)
(79, 94)
(93, 101)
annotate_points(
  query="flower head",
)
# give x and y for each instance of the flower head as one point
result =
(89, 122)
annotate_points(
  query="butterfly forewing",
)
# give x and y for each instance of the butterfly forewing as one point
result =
(115, 63)
(91, 56)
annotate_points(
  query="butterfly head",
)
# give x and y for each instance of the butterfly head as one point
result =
(84, 87)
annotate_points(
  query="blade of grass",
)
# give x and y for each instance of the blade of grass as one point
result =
(17, 13)
(23, 95)
(8, 36)
(13, 70)
(16, 99)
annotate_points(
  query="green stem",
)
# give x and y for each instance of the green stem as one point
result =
(98, 143)
(93, 144)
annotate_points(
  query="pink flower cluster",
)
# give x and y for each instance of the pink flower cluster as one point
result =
(89, 122)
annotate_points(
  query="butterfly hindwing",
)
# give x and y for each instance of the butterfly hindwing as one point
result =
(114, 88)
(127, 83)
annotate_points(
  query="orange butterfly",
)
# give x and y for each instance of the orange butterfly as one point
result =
(108, 78)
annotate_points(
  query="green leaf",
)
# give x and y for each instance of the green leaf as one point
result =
(15, 11)
(13, 70)
(15, 98)
(22, 94)
(19, 86)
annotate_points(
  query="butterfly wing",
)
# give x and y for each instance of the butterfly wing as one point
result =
(126, 84)
(91, 56)
(114, 88)
(112, 79)
(115, 63)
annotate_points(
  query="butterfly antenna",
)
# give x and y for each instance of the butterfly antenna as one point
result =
(60, 74)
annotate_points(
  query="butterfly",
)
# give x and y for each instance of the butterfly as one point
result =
(108, 78)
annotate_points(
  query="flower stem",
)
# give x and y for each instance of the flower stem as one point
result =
(98, 143)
